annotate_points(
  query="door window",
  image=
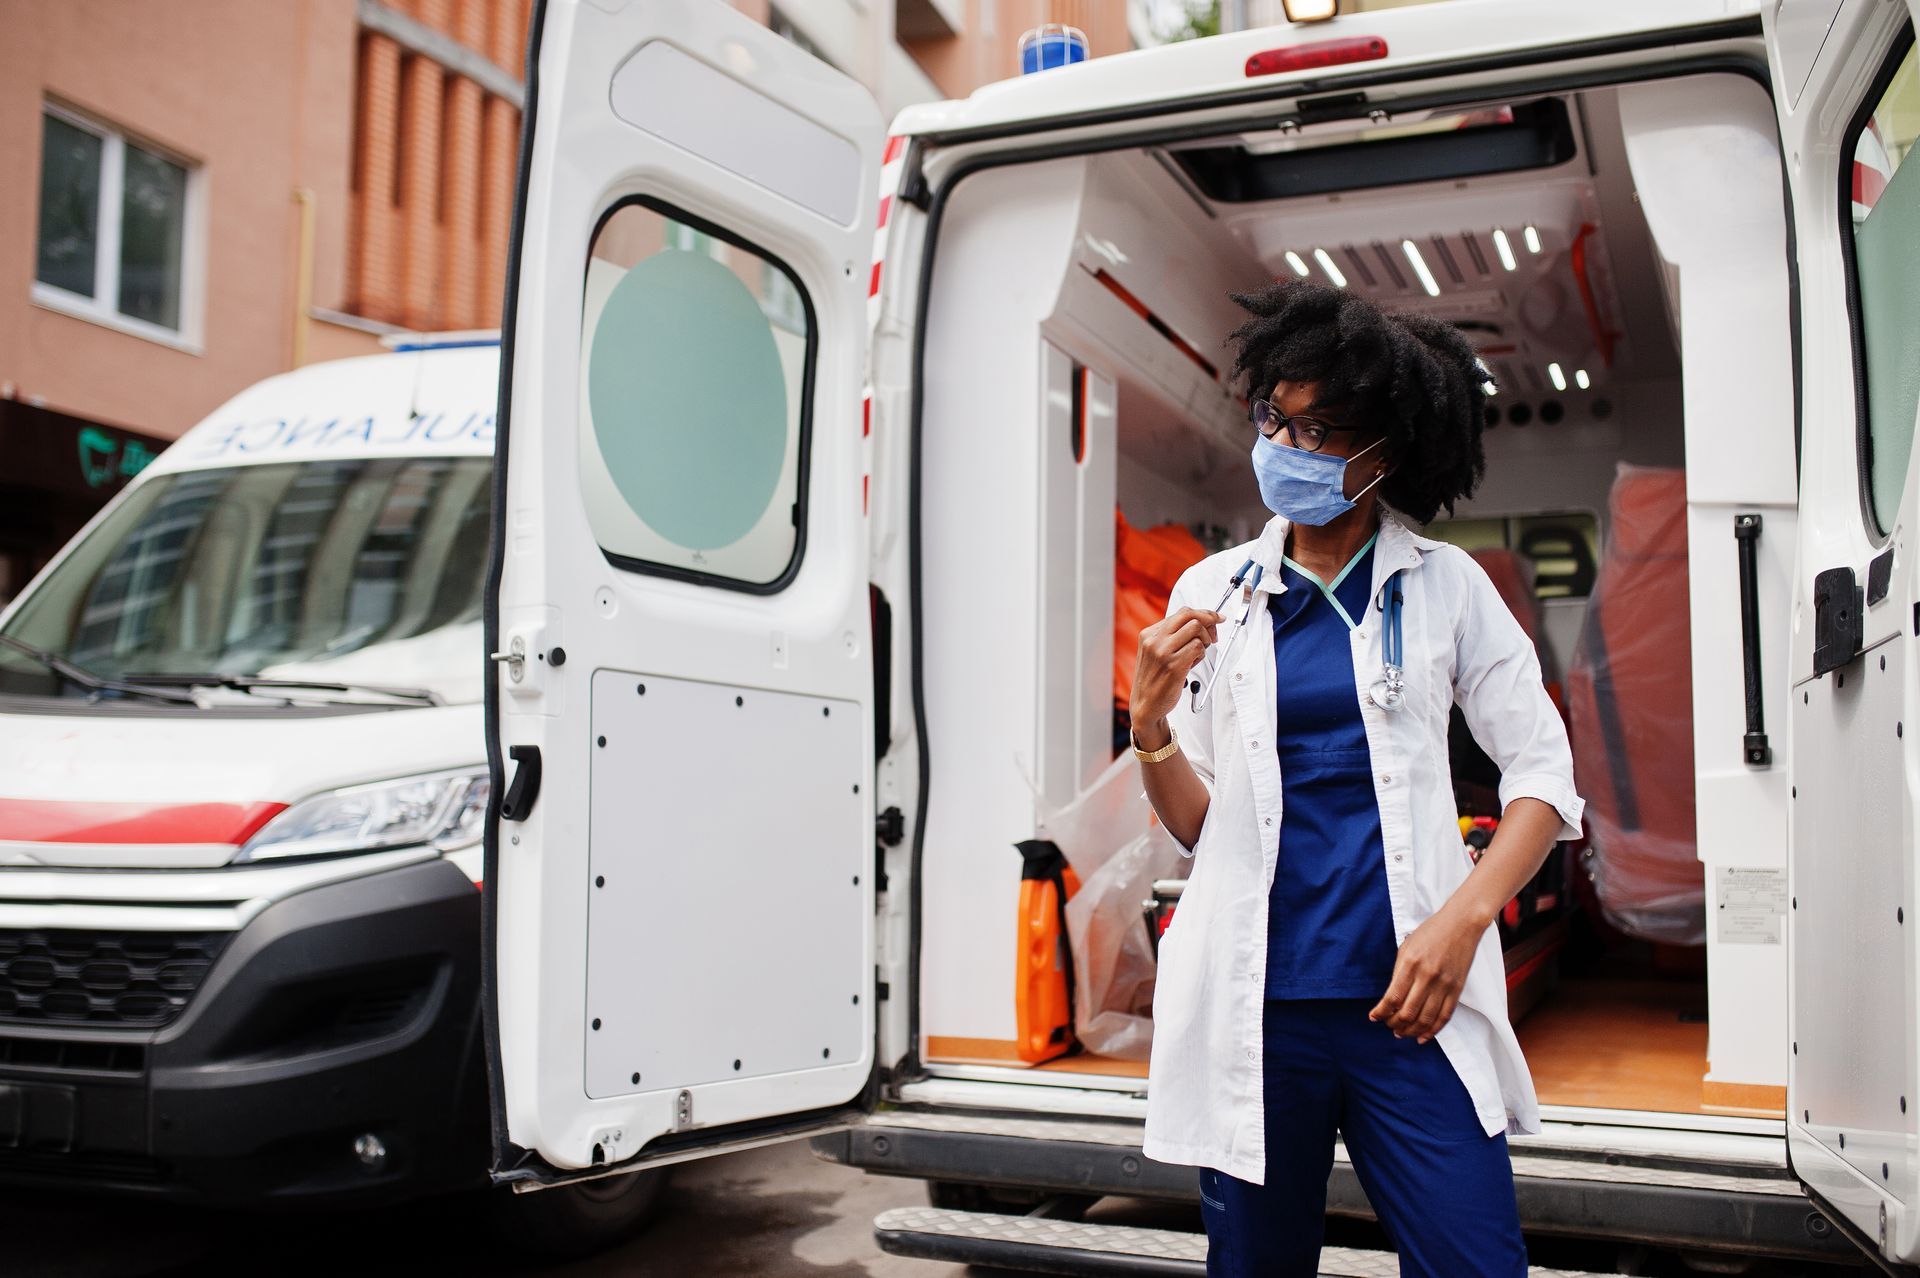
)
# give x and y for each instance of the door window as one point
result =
(1883, 199)
(696, 370)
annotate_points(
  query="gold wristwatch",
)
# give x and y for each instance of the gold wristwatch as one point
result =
(1167, 751)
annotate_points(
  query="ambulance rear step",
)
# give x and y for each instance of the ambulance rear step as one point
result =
(1039, 1245)
(1747, 1204)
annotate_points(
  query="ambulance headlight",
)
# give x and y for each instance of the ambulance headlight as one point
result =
(446, 810)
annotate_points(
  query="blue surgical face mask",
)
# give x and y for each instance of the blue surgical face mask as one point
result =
(1306, 488)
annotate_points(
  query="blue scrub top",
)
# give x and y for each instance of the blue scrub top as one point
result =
(1329, 922)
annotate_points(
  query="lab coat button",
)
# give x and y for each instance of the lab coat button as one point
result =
(1269, 821)
(1386, 780)
(1396, 856)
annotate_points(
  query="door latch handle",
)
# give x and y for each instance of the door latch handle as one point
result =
(525, 786)
(1838, 627)
(1746, 531)
(515, 658)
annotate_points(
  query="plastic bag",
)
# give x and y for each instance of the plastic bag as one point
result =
(1113, 959)
(1630, 711)
(1117, 848)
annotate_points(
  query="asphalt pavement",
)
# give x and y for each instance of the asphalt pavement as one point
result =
(776, 1212)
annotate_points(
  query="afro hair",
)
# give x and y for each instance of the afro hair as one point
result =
(1412, 378)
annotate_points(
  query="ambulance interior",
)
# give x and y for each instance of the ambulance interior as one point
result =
(1075, 368)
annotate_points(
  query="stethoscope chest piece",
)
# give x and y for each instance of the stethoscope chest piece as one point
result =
(1390, 692)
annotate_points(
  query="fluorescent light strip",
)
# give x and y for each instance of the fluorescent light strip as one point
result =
(1326, 264)
(1580, 378)
(1299, 266)
(1533, 240)
(1559, 378)
(1506, 251)
(1427, 281)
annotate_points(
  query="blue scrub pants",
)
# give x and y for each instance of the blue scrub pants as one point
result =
(1441, 1187)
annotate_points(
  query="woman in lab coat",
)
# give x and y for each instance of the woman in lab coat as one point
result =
(1333, 964)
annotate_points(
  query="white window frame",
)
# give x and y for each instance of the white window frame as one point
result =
(103, 307)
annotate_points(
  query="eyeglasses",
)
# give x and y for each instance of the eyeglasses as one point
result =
(1308, 434)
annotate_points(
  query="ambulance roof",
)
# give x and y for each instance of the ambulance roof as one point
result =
(437, 401)
(1415, 34)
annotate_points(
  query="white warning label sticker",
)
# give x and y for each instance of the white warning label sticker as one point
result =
(1752, 906)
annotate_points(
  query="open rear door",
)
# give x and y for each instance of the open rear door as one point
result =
(1849, 103)
(680, 923)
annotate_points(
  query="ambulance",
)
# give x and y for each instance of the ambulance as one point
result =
(811, 442)
(242, 786)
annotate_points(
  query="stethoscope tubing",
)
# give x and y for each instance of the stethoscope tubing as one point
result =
(1388, 693)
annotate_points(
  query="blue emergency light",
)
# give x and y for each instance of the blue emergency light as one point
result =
(1052, 45)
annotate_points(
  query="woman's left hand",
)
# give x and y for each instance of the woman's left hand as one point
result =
(1428, 975)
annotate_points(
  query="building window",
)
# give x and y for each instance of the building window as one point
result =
(115, 228)
(781, 25)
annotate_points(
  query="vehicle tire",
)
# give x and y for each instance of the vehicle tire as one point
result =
(574, 1221)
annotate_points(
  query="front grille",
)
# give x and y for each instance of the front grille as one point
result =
(102, 978)
(102, 1168)
(90, 1057)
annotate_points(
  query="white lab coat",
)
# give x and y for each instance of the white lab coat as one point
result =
(1205, 1100)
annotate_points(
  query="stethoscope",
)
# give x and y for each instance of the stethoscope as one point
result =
(1389, 692)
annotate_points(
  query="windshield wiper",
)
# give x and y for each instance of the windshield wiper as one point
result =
(263, 683)
(88, 679)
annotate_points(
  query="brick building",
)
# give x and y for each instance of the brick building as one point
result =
(207, 192)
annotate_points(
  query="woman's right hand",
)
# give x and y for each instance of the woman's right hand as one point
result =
(1169, 650)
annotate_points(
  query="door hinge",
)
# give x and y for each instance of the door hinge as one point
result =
(891, 827)
(882, 991)
(683, 1111)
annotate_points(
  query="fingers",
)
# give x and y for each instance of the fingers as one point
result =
(1418, 1001)
(1446, 1014)
(1389, 1004)
(1191, 627)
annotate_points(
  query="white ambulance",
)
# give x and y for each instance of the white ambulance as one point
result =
(242, 786)
(801, 607)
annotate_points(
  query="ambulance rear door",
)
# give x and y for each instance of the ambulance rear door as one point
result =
(1849, 108)
(680, 935)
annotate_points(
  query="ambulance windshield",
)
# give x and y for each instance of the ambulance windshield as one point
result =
(363, 573)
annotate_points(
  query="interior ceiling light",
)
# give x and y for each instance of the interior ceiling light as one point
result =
(1580, 378)
(1427, 281)
(1326, 264)
(1310, 10)
(1559, 378)
(1533, 240)
(1299, 266)
(1506, 251)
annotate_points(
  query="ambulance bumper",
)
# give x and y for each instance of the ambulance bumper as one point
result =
(330, 1053)
(1722, 1209)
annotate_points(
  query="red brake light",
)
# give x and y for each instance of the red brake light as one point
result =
(1320, 53)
